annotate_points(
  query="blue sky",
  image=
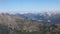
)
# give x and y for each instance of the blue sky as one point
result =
(29, 5)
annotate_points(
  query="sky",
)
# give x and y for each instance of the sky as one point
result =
(24, 6)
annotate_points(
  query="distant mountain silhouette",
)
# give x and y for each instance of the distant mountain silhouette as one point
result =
(44, 17)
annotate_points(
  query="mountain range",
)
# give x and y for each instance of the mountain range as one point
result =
(29, 22)
(42, 17)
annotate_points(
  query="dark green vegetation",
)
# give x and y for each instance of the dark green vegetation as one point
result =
(52, 29)
(11, 24)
